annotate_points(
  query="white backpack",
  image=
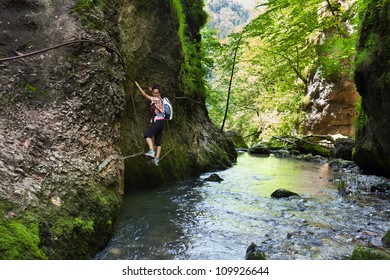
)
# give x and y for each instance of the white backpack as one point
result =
(167, 112)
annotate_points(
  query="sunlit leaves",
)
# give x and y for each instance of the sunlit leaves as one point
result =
(280, 49)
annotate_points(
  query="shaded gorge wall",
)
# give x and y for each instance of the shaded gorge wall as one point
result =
(372, 78)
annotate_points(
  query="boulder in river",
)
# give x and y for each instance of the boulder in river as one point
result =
(281, 153)
(260, 149)
(282, 193)
(214, 178)
(381, 188)
(386, 239)
(254, 253)
(343, 148)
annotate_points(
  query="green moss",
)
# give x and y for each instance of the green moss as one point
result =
(384, 82)
(361, 117)
(19, 240)
(86, 5)
(31, 88)
(386, 238)
(85, 10)
(191, 17)
(315, 149)
(365, 253)
(256, 256)
(68, 225)
(366, 54)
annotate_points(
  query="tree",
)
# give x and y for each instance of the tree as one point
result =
(231, 79)
(279, 49)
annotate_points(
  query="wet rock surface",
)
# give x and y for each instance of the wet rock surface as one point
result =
(260, 149)
(214, 178)
(59, 118)
(283, 193)
(254, 252)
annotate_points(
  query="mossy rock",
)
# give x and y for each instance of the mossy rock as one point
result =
(82, 225)
(260, 149)
(312, 158)
(214, 178)
(236, 138)
(253, 252)
(281, 153)
(365, 253)
(314, 149)
(282, 193)
(343, 148)
(386, 239)
(256, 256)
(19, 240)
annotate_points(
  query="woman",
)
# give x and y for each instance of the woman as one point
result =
(157, 122)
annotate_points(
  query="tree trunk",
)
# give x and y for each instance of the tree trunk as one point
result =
(231, 80)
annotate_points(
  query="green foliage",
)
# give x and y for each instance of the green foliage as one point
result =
(225, 16)
(285, 44)
(336, 56)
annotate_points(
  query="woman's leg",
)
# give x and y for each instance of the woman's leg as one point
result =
(158, 138)
(158, 151)
(149, 133)
(149, 141)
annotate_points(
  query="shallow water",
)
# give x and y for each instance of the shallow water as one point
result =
(208, 220)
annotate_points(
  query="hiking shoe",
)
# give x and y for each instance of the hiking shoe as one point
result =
(155, 161)
(151, 154)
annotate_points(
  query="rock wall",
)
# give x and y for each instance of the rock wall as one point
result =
(372, 78)
(153, 51)
(67, 115)
(332, 108)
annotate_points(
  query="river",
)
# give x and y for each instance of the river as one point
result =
(201, 220)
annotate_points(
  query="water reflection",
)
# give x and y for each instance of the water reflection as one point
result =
(207, 220)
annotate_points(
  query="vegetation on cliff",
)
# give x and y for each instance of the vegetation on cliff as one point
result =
(372, 151)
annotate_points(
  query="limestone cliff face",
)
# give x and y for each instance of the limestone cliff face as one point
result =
(373, 83)
(67, 115)
(332, 108)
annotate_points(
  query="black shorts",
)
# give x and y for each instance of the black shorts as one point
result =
(155, 129)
